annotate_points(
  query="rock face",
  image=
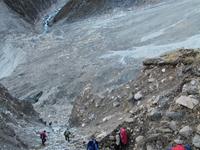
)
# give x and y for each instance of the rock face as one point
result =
(18, 119)
(29, 9)
(75, 10)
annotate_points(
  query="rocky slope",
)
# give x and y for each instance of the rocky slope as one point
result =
(157, 107)
(98, 53)
(76, 10)
(20, 123)
(30, 10)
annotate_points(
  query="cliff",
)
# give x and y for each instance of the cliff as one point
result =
(29, 9)
(19, 124)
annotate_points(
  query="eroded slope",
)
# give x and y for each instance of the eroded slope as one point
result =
(157, 107)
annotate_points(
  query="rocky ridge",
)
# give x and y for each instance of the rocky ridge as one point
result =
(18, 120)
(30, 10)
(157, 107)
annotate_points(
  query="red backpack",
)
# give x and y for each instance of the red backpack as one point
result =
(179, 147)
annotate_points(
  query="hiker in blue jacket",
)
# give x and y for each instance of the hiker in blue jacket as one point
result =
(92, 145)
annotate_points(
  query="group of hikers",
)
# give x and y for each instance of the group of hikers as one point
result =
(121, 141)
(43, 136)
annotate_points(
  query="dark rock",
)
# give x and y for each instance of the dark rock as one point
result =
(155, 115)
(76, 10)
(176, 115)
(33, 98)
(29, 9)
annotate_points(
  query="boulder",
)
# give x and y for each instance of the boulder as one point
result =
(178, 115)
(196, 141)
(187, 102)
(155, 115)
(185, 131)
(138, 95)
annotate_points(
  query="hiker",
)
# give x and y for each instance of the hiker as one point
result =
(43, 136)
(92, 145)
(66, 134)
(117, 138)
(96, 143)
(124, 138)
(179, 146)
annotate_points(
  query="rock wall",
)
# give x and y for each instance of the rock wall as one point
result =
(18, 119)
(29, 9)
(75, 10)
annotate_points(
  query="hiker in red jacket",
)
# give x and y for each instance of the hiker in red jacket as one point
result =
(123, 135)
(43, 136)
(179, 146)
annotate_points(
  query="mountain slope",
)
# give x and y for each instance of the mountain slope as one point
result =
(20, 123)
(157, 107)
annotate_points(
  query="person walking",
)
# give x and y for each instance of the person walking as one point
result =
(43, 136)
(92, 145)
(179, 146)
(117, 138)
(124, 138)
(66, 134)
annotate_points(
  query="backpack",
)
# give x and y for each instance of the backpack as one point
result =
(187, 147)
(41, 136)
(66, 133)
(179, 147)
(96, 142)
(90, 145)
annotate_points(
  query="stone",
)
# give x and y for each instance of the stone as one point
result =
(151, 80)
(187, 102)
(196, 141)
(134, 110)
(190, 89)
(177, 141)
(129, 120)
(102, 135)
(138, 95)
(198, 128)
(155, 115)
(149, 147)
(112, 138)
(136, 85)
(140, 140)
(178, 115)
(91, 117)
(185, 131)
(106, 118)
(172, 125)
(116, 104)
(167, 130)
